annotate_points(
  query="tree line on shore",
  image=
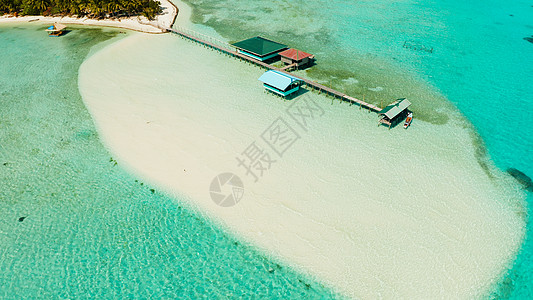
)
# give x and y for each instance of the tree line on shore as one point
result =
(97, 9)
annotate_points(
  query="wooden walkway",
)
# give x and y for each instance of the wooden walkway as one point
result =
(289, 66)
(224, 48)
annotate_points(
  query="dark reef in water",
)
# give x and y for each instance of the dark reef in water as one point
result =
(522, 178)
(529, 39)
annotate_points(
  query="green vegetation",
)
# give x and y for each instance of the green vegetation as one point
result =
(97, 9)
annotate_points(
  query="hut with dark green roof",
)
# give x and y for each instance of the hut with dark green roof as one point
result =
(259, 48)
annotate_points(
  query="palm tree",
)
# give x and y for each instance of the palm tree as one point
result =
(93, 8)
(41, 5)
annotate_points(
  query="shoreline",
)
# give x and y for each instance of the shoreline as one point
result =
(144, 171)
(196, 197)
(335, 223)
(137, 23)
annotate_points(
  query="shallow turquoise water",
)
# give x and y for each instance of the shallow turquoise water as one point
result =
(91, 230)
(480, 63)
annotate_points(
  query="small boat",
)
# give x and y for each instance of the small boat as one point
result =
(56, 29)
(408, 120)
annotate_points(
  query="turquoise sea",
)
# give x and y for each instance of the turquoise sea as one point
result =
(473, 53)
(75, 225)
(91, 228)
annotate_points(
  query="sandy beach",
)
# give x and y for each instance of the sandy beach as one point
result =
(140, 23)
(372, 212)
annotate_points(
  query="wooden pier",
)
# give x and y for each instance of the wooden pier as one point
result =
(226, 49)
(288, 67)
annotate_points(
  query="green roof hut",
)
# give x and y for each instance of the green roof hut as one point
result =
(259, 48)
(394, 112)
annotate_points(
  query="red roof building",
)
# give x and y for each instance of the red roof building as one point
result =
(294, 57)
(294, 54)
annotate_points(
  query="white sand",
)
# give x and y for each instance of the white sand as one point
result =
(134, 23)
(375, 213)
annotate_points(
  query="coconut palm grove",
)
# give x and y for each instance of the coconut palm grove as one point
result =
(83, 8)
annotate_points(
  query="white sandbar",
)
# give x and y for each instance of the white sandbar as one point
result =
(375, 213)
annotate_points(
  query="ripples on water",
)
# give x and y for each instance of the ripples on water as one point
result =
(480, 61)
(74, 224)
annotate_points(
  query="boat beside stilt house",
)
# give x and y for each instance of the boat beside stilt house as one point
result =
(56, 30)
(394, 113)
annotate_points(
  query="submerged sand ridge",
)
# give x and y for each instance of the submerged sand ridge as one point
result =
(373, 212)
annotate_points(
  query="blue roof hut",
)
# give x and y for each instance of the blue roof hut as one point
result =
(259, 48)
(280, 83)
